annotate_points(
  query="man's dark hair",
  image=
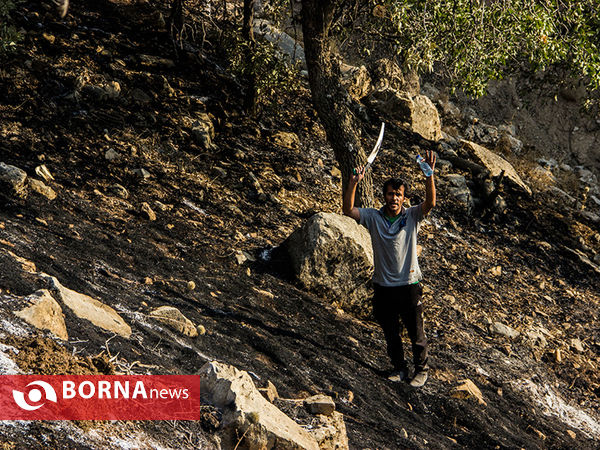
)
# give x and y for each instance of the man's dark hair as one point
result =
(395, 183)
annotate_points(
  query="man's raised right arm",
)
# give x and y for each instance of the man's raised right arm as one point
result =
(348, 207)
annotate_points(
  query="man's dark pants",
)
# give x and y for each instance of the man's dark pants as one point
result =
(394, 307)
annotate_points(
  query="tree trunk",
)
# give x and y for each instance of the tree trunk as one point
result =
(249, 69)
(330, 98)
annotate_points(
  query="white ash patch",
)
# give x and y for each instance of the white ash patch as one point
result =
(553, 405)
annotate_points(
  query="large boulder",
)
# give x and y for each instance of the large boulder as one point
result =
(13, 181)
(44, 313)
(86, 307)
(495, 164)
(332, 256)
(249, 421)
(418, 112)
(387, 74)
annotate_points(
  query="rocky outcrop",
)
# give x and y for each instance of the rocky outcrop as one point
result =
(495, 164)
(332, 256)
(249, 420)
(418, 112)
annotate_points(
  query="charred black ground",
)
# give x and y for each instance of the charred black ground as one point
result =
(101, 245)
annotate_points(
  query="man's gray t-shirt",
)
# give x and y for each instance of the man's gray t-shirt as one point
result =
(394, 245)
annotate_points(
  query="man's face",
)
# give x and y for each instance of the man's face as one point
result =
(393, 200)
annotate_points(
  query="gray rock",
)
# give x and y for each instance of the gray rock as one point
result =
(13, 181)
(419, 112)
(443, 166)
(332, 256)
(286, 44)
(495, 164)
(174, 319)
(111, 154)
(482, 133)
(203, 131)
(246, 412)
(503, 330)
(457, 187)
(320, 404)
(140, 97)
(142, 173)
(509, 144)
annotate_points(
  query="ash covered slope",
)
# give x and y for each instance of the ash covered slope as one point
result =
(149, 201)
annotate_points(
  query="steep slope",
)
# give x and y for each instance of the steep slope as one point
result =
(105, 80)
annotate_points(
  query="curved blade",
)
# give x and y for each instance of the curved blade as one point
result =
(373, 154)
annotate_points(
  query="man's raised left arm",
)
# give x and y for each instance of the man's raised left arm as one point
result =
(429, 202)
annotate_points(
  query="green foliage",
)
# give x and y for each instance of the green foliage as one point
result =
(275, 74)
(474, 41)
(478, 41)
(9, 36)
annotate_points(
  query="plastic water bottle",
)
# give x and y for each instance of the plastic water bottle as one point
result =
(426, 168)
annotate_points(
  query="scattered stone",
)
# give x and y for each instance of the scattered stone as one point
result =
(320, 404)
(467, 390)
(482, 133)
(577, 345)
(13, 181)
(119, 191)
(459, 189)
(335, 172)
(201, 330)
(503, 330)
(156, 61)
(111, 154)
(496, 271)
(44, 313)
(509, 144)
(142, 173)
(40, 188)
(191, 285)
(572, 434)
(285, 139)
(140, 97)
(174, 318)
(147, 212)
(265, 295)
(332, 255)
(43, 172)
(537, 338)
(86, 307)
(558, 355)
(387, 74)
(203, 131)
(242, 256)
(495, 164)
(247, 413)
(148, 281)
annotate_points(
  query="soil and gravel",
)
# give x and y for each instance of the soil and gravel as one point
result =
(96, 240)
